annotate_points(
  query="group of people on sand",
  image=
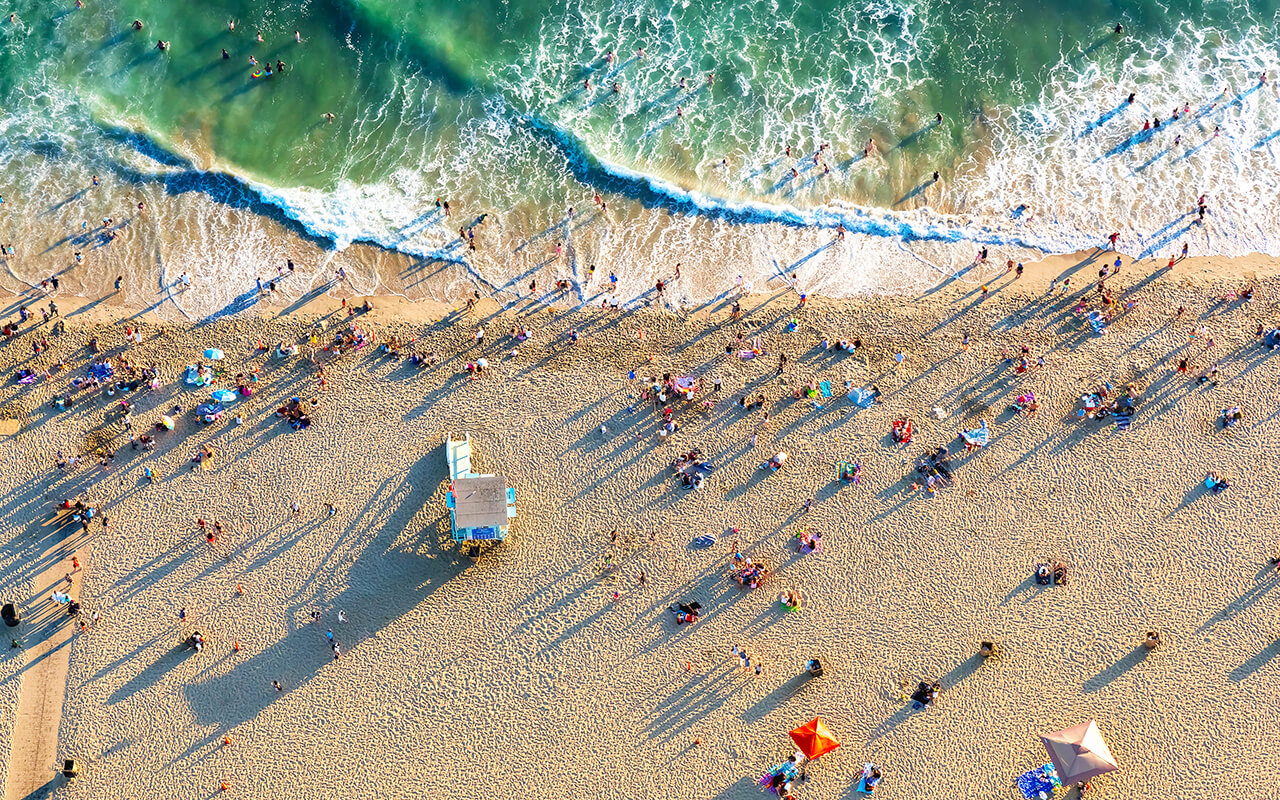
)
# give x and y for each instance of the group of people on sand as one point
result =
(747, 572)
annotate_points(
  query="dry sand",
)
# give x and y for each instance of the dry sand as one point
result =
(516, 674)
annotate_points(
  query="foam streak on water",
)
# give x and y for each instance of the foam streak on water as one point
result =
(1038, 153)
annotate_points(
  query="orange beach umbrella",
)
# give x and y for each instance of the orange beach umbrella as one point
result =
(814, 739)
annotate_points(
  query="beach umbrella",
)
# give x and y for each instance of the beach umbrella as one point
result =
(167, 421)
(213, 354)
(814, 739)
(224, 396)
(1078, 752)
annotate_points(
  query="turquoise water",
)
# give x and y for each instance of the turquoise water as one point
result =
(484, 103)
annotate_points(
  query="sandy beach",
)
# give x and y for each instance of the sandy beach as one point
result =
(519, 673)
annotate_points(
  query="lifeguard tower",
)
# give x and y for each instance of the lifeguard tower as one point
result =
(480, 505)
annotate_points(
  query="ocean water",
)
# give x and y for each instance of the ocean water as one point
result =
(507, 109)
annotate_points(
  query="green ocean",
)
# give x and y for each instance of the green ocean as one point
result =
(710, 130)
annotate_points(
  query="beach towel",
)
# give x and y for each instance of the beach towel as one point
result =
(862, 397)
(825, 388)
(1041, 779)
(705, 540)
(1097, 321)
(1123, 421)
(979, 436)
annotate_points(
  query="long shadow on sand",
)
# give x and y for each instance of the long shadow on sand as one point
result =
(237, 696)
(1104, 678)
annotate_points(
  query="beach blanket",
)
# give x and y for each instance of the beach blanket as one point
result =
(1123, 421)
(847, 470)
(1271, 338)
(979, 436)
(862, 397)
(193, 376)
(705, 540)
(101, 371)
(825, 388)
(208, 409)
(1097, 321)
(1034, 781)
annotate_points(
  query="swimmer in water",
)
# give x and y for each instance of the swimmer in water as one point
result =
(231, 25)
(225, 55)
(938, 118)
(328, 117)
(1119, 28)
(1132, 95)
(260, 36)
(640, 53)
(162, 46)
(608, 57)
(137, 24)
(279, 65)
(297, 37)
(682, 83)
(935, 176)
(253, 61)
(586, 84)
(679, 111)
(617, 89)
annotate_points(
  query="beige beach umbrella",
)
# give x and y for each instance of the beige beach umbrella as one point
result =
(1079, 753)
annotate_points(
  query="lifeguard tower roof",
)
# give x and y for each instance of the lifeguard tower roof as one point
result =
(480, 502)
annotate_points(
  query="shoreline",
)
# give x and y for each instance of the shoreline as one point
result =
(1197, 272)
